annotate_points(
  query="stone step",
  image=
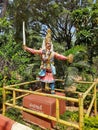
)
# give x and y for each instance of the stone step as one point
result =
(8, 124)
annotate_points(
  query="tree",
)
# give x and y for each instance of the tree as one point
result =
(39, 15)
(19, 12)
(86, 24)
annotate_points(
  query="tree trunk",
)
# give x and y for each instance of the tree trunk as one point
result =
(4, 7)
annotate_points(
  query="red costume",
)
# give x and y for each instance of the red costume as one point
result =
(48, 77)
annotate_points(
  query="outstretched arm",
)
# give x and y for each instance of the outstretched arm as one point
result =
(62, 57)
(33, 51)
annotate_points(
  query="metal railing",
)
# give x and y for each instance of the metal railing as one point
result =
(12, 102)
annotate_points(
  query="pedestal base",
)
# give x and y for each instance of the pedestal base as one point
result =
(46, 105)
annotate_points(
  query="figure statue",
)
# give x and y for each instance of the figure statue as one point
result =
(48, 71)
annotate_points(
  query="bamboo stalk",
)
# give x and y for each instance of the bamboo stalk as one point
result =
(83, 82)
(32, 111)
(57, 109)
(25, 83)
(90, 107)
(14, 97)
(60, 80)
(81, 122)
(44, 115)
(95, 101)
(43, 94)
(80, 101)
(88, 90)
(4, 100)
(68, 123)
(17, 97)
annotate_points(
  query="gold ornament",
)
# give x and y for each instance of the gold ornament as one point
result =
(70, 58)
(48, 36)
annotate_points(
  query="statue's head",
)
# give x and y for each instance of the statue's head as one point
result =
(47, 42)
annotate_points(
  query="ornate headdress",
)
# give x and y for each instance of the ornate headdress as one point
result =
(47, 40)
(48, 36)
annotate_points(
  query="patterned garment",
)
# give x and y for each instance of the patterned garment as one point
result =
(47, 66)
(48, 78)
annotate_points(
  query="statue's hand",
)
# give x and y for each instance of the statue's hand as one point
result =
(70, 58)
(24, 47)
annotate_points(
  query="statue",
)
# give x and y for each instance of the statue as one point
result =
(48, 71)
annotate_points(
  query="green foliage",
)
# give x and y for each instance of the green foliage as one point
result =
(13, 59)
(91, 123)
(79, 67)
(34, 39)
(5, 33)
(85, 37)
(75, 50)
(14, 114)
(68, 116)
(82, 87)
(81, 18)
(95, 65)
